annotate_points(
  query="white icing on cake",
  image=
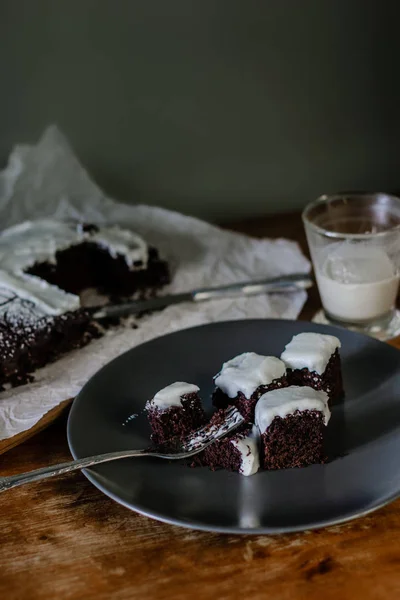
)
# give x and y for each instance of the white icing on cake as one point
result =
(121, 242)
(311, 351)
(172, 395)
(38, 241)
(286, 401)
(248, 448)
(49, 298)
(246, 372)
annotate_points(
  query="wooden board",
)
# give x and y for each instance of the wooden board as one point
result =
(44, 422)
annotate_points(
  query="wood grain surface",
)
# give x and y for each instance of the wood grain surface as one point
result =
(63, 539)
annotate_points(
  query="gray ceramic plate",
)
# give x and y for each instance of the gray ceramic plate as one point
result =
(363, 435)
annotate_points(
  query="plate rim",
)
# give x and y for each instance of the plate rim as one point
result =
(92, 476)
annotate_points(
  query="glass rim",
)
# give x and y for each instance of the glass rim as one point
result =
(325, 198)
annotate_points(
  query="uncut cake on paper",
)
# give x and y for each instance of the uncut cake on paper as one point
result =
(44, 266)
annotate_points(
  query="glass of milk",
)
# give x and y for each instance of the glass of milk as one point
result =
(354, 241)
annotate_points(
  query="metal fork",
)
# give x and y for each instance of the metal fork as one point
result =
(193, 444)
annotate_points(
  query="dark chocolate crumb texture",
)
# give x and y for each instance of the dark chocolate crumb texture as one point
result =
(29, 340)
(237, 451)
(174, 413)
(292, 422)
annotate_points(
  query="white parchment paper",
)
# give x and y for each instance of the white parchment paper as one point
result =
(48, 180)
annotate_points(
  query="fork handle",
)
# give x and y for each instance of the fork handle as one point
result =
(6, 483)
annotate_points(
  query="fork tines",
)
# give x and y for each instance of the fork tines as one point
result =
(212, 432)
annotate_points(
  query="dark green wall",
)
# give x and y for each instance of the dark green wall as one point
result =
(220, 108)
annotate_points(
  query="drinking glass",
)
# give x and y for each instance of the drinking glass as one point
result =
(354, 241)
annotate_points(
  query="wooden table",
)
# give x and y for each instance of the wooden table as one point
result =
(63, 539)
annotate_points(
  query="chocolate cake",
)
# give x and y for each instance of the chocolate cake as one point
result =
(243, 379)
(313, 360)
(29, 340)
(238, 451)
(292, 424)
(174, 413)
(50, 263)
(44, 265)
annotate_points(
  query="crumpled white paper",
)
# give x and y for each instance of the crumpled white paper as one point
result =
(48, 180)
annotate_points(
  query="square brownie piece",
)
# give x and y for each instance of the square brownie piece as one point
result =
(174, 413)
(292, 424)
(243, 379)
(313, 359)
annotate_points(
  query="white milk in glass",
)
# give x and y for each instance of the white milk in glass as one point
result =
(357, 282)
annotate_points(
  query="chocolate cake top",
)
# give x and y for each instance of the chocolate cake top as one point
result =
(311, 351)
(246, 372)
(33, 242)
(172, 395)
(286, 401)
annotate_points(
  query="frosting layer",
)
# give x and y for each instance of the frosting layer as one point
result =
(248, 448)
(172, 395)
(246, 372)
(311, 351)
(286, 401)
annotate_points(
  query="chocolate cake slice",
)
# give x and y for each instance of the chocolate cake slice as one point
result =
(292, 424)
(237, 451)
(313, 359)
(243, 379)
(29, 340)
(174, 413)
